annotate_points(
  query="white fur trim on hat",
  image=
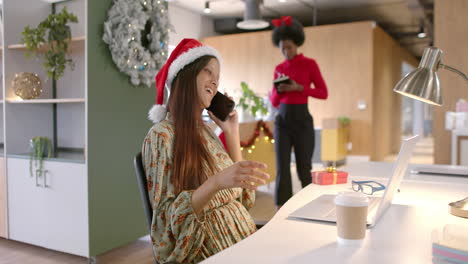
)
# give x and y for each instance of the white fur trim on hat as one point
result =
(157, 113)
(188, 57)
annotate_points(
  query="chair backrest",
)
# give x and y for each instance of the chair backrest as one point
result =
(142, 184)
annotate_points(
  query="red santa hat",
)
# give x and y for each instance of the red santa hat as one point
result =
(185, 53)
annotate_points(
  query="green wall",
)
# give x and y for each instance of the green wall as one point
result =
(117, 125)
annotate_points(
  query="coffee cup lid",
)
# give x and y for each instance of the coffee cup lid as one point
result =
(353, 199)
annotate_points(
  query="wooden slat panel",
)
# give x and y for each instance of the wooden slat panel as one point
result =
(345, 65)
(264, 150)
(388, 59)
(451, 35)
(346, 56)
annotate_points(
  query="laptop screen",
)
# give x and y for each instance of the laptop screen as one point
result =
(398, 172)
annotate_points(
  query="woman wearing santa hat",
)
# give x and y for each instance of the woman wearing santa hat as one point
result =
(294, 126)
(200, 194)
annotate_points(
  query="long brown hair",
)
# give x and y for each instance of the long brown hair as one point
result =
(192, 162)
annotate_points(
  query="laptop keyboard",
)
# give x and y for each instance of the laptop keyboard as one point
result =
(373, 202)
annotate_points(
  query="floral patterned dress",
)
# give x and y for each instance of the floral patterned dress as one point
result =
(176, 232)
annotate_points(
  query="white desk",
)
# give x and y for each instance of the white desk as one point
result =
(403, 234)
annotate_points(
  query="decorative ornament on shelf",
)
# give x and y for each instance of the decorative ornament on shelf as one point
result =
(40, 147)
(137, 32)
(58, 37)
(261, 126)
(27, 85)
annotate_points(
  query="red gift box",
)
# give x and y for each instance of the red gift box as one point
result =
(329, 176)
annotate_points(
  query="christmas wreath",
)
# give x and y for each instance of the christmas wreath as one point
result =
(137, 32)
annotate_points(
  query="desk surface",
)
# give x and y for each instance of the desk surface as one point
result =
(403, 234)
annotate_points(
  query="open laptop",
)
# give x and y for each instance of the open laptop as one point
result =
(323, 207)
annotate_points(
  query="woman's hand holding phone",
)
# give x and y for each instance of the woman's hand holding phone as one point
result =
(231, 125)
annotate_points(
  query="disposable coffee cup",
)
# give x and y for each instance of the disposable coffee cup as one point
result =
(351, 217)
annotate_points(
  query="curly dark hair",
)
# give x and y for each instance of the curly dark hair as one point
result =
(294, 32)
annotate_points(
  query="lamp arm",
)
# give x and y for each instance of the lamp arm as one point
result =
(453, 70)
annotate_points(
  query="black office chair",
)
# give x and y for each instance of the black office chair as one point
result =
(142, 185)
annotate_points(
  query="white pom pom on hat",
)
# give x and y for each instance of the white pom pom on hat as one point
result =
(186, 52)
(157, 113)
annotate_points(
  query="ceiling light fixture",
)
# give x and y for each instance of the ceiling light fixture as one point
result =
(207, 9)
(422, 32)
(252, 18)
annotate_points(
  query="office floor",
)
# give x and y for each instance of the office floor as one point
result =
(12, 252)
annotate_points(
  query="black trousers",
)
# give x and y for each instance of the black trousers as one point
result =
(294, 127)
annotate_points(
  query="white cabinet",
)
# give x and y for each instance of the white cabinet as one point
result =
(3, 200)
(50, 210)
(59, 210)
(24, 202)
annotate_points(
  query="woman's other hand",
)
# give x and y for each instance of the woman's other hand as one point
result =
(290, 87)
(245, 174)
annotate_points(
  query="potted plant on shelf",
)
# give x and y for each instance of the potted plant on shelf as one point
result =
(40, 147)
(345, 124)
(58, 37)
(251, 102)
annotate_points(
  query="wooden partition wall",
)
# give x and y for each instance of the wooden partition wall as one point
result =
(386, 117)
(264, 150)
(451, 35)
(346, 55)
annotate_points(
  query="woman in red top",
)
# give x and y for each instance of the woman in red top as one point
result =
(294, 126)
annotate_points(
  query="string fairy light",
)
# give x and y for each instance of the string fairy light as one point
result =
(250, 144)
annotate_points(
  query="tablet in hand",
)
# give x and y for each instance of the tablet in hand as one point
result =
(280, 80)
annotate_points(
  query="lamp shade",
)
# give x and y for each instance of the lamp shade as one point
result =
(423, 83)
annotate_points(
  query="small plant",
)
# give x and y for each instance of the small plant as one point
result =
(58, 37)
(40, 146)
(344, 120)
(251, 102)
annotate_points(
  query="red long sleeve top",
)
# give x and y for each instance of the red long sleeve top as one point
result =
(304, 71)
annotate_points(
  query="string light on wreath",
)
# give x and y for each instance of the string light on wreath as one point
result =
(137, 32)
(250, 144)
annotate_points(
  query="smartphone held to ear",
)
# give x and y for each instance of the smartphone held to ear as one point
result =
(221, 106)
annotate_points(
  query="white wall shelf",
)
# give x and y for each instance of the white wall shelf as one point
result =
(62, 156)
(53, 1)
(65, 199)
(60, 115)
(47, 101)
(75, 41)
